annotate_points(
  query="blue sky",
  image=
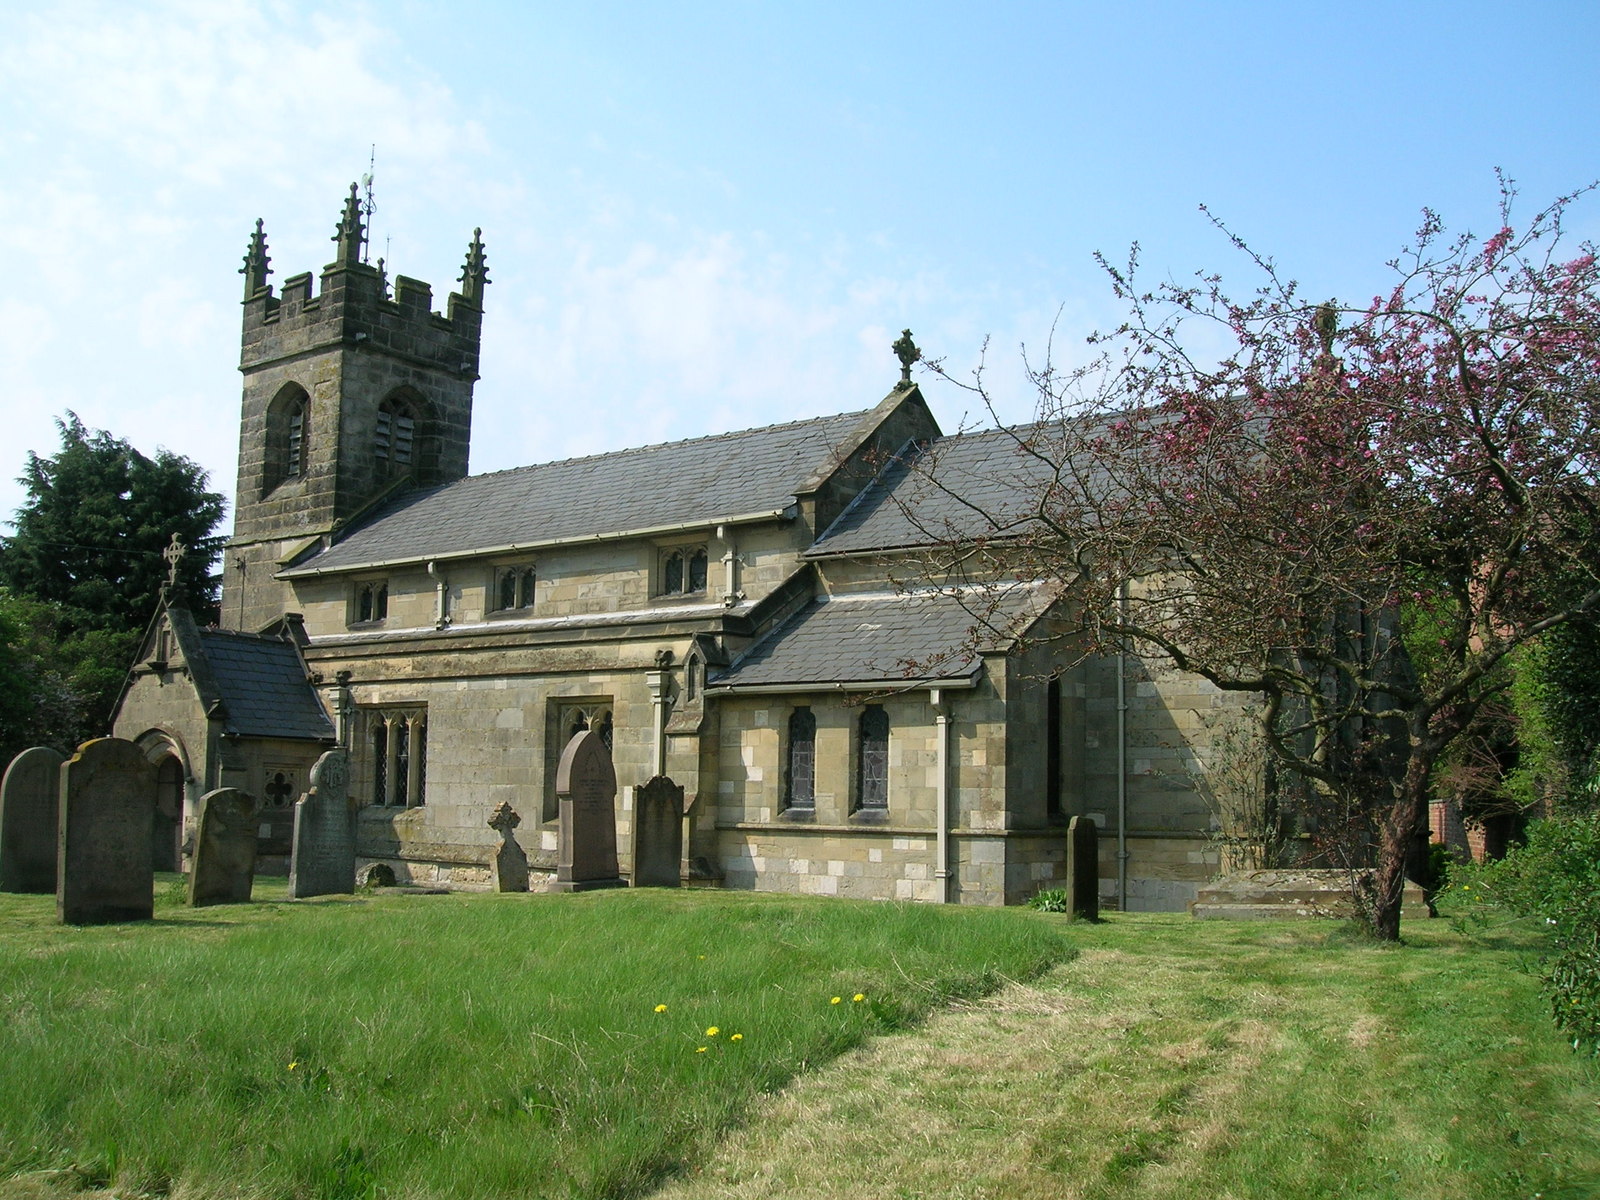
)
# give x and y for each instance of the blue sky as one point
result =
(703, 217)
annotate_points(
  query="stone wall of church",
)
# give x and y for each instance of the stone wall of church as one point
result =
(836, 847)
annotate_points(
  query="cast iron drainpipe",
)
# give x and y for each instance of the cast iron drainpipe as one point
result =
(941, 868)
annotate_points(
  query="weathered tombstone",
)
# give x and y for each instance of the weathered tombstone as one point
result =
(658, 833)
(103, 866)
(586, 786)
(510, 864)
(322, 855)
(1083, 868)
(224, 867)
(28, 798)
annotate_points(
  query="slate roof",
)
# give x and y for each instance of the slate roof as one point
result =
(263, 686)
(871, 638)
(696, 482)
(956, 488)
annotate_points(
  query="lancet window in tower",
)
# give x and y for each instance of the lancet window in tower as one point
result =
(288, 436)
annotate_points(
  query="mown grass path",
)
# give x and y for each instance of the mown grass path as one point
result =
(1202, 1061)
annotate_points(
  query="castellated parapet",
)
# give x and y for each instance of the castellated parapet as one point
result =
(350, 393)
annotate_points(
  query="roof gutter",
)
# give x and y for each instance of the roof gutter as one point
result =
(582, 539)
(879, 685)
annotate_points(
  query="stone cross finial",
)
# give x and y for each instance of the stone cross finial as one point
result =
(350, 234)
(504, 819)
(173, 554)
(906, 351)
(255, 269)
(475, 275)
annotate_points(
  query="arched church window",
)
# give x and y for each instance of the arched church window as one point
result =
(872, 759)
(683, 571)
(513, 588)
(371, 601)
(800, 765)
(288, 436)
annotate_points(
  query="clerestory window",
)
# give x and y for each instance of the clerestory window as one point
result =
(513, 588)
(371, 601)
(683, 571)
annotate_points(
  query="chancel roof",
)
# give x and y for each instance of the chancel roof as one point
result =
(261, 681)
(697, 482)
(887, 638)
(958, 488)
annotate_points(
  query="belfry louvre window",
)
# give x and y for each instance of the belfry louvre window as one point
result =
(683, 571)
(800, 761)
(872, 759)
(513, 588)
(397, 741)
(297, 440)
(395, 436)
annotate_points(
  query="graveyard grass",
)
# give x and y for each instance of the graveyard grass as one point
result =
(446, 1046)
(500, 1045)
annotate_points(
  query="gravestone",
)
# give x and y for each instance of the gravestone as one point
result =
(510, 864)
(1083, 868)
(322, 855)
(28, 798)
(658, 833)
(224, 866)
(107, 805)
(586, 786)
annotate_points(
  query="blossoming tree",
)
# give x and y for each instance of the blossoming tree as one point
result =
(1282, 518)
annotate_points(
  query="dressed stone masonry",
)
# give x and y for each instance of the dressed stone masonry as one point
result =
(722, 611)
(28, 797)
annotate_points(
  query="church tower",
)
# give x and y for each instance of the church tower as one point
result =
(349, 396)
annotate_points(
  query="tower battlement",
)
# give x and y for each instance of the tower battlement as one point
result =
(353, 307)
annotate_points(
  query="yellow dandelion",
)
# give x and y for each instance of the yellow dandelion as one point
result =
(858, 998)
(836, 1000)
(739, 1037)
(661, 1008)
(293, 1065)
(713, 1031)
(699, 1049)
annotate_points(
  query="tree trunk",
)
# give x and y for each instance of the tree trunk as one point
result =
(1404, 823)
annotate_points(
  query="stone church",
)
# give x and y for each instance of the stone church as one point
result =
(726, 611)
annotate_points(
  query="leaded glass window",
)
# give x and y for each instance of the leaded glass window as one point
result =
(872, 759)
(800, 782)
